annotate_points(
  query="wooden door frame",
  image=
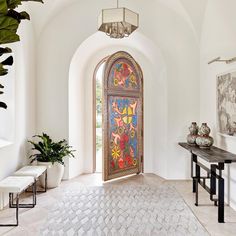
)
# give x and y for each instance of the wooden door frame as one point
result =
(95, 109)
(106, 93)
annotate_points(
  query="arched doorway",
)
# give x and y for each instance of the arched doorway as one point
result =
(81, 132)
(119, 137)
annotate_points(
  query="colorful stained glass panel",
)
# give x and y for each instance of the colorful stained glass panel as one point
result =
(123, 76)
(123, 122)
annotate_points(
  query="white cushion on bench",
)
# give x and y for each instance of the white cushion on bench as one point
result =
(34, 171)
(15, 184)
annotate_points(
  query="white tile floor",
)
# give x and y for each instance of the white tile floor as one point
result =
(32, 219)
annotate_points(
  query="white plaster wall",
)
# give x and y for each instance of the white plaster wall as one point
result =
(218, 39)
(15, 155)
(168, 30)
(7, 131)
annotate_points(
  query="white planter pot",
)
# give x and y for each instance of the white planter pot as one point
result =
(55, 173)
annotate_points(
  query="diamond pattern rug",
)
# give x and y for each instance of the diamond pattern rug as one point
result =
(123, 211)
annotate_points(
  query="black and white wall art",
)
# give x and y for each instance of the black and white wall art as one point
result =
(226, 103)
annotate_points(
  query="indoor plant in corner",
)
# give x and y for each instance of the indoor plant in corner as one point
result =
(51, 154)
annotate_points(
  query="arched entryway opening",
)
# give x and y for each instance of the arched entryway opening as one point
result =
(81, 124)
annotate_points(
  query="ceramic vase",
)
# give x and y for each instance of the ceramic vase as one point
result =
(55, 173)
(191, 138)
(204, 140)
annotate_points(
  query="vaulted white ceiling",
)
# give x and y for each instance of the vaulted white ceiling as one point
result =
(196, 12)
(191, 10)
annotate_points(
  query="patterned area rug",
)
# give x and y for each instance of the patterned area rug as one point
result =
(123, 211)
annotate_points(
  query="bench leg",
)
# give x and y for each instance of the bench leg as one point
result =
(11, 200)
(17, 212)
(45, 188)
(46, 181)
(34, 193)
(17, 209)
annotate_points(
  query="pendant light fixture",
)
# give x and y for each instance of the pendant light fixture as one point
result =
(118, 22)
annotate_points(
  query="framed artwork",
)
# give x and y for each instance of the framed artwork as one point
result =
(226, 103)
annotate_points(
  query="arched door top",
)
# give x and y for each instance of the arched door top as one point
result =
(123, 73)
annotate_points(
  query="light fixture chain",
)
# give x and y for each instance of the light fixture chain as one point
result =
(117, 3)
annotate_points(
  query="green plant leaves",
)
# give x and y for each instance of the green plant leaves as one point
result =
(9, 23)
(50, 151)
(12, 4)
(7, 36)
(3, 71)
(5, 51)
(3, 105)
(3, 7)
(8, 61)
(8, 28)
(18, 15)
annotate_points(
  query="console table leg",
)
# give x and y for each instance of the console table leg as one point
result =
(198, 172)
(221, 201)
(193, 159)
(196, 188)
(213, 183)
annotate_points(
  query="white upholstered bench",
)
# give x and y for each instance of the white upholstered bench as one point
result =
(34, 171)
(17, 185)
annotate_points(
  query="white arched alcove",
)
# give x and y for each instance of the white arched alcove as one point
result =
(82, 67)
(63, 35)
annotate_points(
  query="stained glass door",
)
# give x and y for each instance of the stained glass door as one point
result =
(122, 117)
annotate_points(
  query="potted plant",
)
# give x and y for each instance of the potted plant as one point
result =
(51, 154)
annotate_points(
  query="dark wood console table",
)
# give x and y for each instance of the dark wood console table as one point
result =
(217, 159)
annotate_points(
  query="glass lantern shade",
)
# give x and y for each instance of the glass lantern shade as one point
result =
(118, 22)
